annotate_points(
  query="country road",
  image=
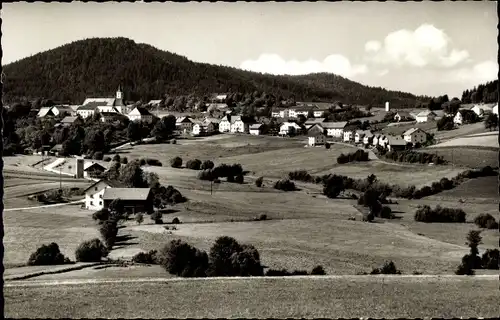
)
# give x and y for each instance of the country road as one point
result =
(45, 206)
(75, 282)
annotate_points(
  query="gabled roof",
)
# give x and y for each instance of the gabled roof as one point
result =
(69, 119)
(94, 166)
(226, 118)
(154, 102)
(99, 101)
(334, 125)
(394, 141)
(315, 120)
(485, 106)
(404, 114)
(411, 131)
(184, 120)
(315, 134)
(236, 118)
(141, 111)
(91, 106)
(112, 114)
(44, 111)
(138, 194)
(57, 147)
(110, 183)
(363, 132)
(426, 113)
(255, 126)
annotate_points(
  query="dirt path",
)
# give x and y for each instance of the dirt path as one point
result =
(74, 282)
(46, 206)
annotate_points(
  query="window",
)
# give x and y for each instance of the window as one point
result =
(100, 203)
(100, 196)
(95, 188)
(91, 203)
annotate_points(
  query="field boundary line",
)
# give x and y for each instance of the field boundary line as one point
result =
(46, 206)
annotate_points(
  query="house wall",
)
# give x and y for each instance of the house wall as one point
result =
(348, 136)
(85, 113)
(255, 132)
(93, 197)
(335, 132)
(417, 136)
(421, 119)
(224, 126)
(457, 118)
(318, 114)
(239, 126)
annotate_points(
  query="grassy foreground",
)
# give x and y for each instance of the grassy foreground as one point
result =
(387, 297)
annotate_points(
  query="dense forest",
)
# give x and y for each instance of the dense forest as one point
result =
(95, 67)
(486, 93)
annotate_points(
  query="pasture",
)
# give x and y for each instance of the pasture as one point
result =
(481, 140)
(293, 297)
(472, 157)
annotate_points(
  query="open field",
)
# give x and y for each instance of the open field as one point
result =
(482, 188)
(463, 130)
(472, 157)
(293, 297)
(488, 141)
(401, 174)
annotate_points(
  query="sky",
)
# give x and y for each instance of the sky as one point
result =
(426, 48)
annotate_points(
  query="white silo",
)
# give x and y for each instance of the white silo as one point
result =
(387, 106)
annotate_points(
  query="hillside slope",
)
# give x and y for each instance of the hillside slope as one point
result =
(95, 67)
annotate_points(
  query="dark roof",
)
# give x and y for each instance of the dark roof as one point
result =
(68, 119)
(95, 165)
(143, 111)
(315, 134)
(92, 105)
(111, 183)
(57, 147)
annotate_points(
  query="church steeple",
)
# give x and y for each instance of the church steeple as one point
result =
(119, 93)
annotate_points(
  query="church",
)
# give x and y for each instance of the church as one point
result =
(90, 105)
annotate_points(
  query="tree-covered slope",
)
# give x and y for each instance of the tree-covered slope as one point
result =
(95, 67)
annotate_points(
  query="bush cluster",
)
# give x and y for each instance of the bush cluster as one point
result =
(91, 251)
(194, 164)
(109, 231)
(176, 162)
(47, 255)
(439, 214)
(168, 195)
(486, 220)
(259, 181)
(388, 268)
(150, 162)
(318, 270)
(414, 157)
(221, 171)
(285, 185)
(146, 257)
(207, 164)
(490, 258)
(358, 155)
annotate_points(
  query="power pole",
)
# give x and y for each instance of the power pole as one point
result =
(211, 182)
(60, 179)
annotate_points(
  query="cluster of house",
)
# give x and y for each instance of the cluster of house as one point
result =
(306, 109)
(109, 110)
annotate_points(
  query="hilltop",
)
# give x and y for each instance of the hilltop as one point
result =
(95, 67)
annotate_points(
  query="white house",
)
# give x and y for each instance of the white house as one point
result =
(94, 194)
(225, 124)
(415, 135)
(348, 135)
(360, 134)
(140, 114)
(403, 116)
(395, 143)
(280, 113)
(334, 129)
(495, 109)
(368, 138)
(316, 138)
(239, 125)
(203, 127)
(256, 129)
(382, 141)
(376, 138)
(425, 116)
(91, 105)
(184, 124)
(482, 109)
(55, 111)
(289, 128)
(92, 169)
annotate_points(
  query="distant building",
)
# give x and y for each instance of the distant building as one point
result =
(134, 200)
(349, 134)
(483, 109)
(495, 109)
(334, 129)
(140, 114)
(68, 121)
(426, 116)
(225, 124)
(395, 144)
(184, 124)
(92, 105)
(415, 135)
(289, 128)
(203, 127)
(94, 193)
(55, 111)
(316, 138)
(403, 116)
(112, 117)
(93, 170)
(239, 125)
(256, 129)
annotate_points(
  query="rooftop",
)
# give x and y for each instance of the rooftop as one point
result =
(138, 194)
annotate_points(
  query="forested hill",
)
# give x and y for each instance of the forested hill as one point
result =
(95, 67)
(486, 93)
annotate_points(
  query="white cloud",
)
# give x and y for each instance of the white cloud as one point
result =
(425, 46)
(383, 72)
(274, 64)
(373, 46)
(479, 73)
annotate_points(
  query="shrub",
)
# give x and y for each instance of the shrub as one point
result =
(386, 213)
(438, 214)
(230, 178)
(142, 162)
(206, 175)
(414, 157)
(91, 251)
(490, 258)
(176, 221)
(358, 155)
(207, 164)
(259, 181)
(101, 215)
(261, 217)
(388, 268)
(318, 270)
(239, 179)
(368, 217)
(333, 186)
(327, 145)
(150, 162)
(157, 217)
(146, 257)
(194, 164)
(300, 175)
(220, 256)
(182, 259)
(98, 155)
(116, 158)
(216, 180)
(176, 162)
(464, 270)
(277, 273)
(285, 185)
(139, 218)
(246, 262)
(109, 231)
(173, 141)
(107, 159)
(124, 160)
(486, 221)
(47, 255)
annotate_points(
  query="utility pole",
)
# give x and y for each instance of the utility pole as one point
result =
(211, 182)
(60, 179)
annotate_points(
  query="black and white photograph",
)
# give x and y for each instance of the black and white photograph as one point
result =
(250, 160)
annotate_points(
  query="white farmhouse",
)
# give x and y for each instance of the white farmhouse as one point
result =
(239, 125)
(184, 124)
(349, 135)
(425, 116)
(140, 114)
(334, 129)
(316, 138)
(482, 109)
(256, 129)
(204, 127)
(94, 193)
(415, 135)
(289, 128)
(93, 105)
(225, 124)
(55, 111)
